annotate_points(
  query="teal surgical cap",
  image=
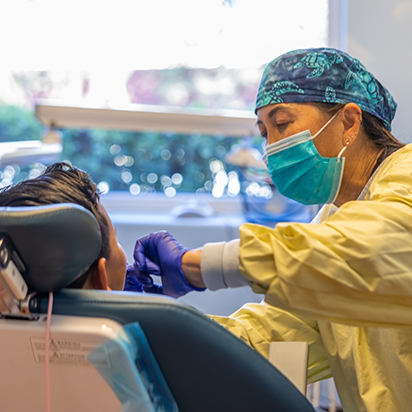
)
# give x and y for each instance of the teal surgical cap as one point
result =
(325, 76)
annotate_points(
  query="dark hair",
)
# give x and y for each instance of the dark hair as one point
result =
(61, 183)
(374, 128)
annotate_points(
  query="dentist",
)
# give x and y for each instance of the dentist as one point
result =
(344, 282)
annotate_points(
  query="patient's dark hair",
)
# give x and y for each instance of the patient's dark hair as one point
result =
(61, 183)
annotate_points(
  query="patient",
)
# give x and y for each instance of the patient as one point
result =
(62, 183)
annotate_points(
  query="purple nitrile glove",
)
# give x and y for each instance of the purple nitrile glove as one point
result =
(131, 283)
(160, 254)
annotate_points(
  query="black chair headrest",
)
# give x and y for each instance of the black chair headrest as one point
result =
(57, 243)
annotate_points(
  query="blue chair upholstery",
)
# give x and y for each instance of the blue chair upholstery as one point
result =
(206, 367)
(57, 243)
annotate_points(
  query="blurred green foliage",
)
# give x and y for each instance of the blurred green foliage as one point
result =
(18, 124)
(123, 158)
(148, 159)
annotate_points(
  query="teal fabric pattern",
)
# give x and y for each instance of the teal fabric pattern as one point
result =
(324, 75)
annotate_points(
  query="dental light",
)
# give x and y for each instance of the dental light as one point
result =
(233, 123)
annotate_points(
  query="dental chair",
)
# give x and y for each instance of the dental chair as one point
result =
(43, 249)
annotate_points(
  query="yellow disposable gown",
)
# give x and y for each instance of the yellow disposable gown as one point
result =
(344, 286)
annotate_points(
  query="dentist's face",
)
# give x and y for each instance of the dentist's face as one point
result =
(279, 121)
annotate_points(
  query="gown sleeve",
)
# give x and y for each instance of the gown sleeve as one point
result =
(355, 268)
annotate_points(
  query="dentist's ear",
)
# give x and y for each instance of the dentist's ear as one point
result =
(351, 119)
(98, 277)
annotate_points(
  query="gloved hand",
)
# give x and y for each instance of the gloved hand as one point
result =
(160, 254)
(132, 284)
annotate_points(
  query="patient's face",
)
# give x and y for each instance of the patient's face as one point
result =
(116, 264)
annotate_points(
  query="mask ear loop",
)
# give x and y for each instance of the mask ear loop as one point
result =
(331, 203)
(325, 125)
(339, 155)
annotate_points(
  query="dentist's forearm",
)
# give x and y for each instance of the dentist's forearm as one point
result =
(191, 268)
(214, 266)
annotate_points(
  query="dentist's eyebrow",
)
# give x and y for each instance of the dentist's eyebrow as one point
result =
(272, 113)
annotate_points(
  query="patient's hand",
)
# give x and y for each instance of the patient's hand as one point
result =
(160, 254)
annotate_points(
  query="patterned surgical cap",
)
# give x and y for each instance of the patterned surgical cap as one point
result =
(326, 76)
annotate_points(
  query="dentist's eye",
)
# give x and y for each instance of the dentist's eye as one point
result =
(283, 126)
(263, 134)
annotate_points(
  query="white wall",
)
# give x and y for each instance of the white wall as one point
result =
(380, 36)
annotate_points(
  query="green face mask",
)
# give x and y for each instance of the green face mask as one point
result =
(300, 173)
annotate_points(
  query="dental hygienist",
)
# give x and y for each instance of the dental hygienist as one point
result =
(344, 282)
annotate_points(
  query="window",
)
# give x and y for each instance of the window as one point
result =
(202, 54)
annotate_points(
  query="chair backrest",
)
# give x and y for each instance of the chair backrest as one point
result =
(74, 384)
(205, 366)
(56, 243)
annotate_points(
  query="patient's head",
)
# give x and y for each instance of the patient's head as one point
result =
(62, 183)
